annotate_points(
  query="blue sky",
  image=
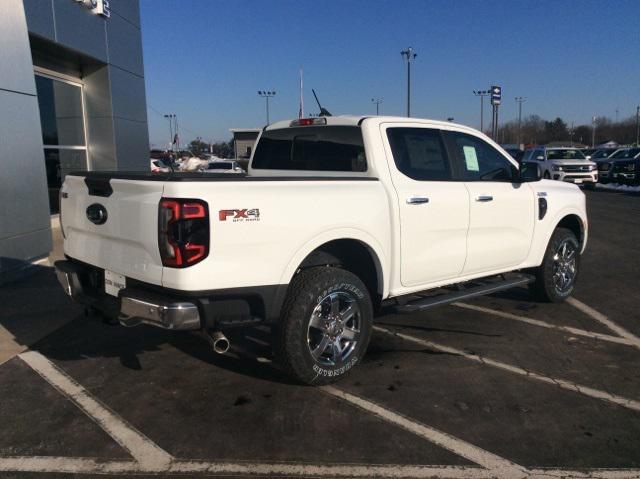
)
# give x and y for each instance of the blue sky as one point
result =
(205, 60)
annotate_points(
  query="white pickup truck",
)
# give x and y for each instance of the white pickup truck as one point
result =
(335, 217)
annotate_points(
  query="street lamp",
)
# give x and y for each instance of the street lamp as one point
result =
(520, 100)
(409, 55)
(266, 95)
(377, 101)
(638, 125)
(593, 132)
(481, 94)
(172, 117)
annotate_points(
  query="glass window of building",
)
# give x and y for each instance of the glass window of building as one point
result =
(63, 131)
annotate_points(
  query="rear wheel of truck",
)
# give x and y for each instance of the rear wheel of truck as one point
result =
(325, 325)
(556, 276)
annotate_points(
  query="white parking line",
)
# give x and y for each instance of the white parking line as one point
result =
(495, 463)
(561, 383)
(602, 319)
(148, 454)
(75, 465)
(585, 474)
(543, 324)
(92, 466)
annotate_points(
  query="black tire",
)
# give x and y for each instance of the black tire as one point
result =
(546, 175)
(554, 270)
(311, 292)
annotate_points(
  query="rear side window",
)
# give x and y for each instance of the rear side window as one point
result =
(323, 148)
(419, 153)
(479, 161)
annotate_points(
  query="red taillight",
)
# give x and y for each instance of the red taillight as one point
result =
(183, 232)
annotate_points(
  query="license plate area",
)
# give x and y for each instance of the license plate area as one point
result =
(114, 282)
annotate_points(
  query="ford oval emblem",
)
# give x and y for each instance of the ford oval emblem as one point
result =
(97, 214)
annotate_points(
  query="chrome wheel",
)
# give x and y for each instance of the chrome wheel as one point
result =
(565, 266)
(334, 328)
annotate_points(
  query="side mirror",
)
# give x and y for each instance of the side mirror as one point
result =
(588, 157)
(530, 172)
(540, 158)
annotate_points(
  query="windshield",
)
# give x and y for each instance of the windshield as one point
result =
(601, 154)
(565, 155)
(626, 153)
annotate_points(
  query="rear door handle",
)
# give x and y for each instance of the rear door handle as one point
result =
(484, 198)
(417, 200)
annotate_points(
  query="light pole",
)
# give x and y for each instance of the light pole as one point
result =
(520, 100)
(172, 117)
(168, 117)
(175, 120)
(409, 55)
(571, 132)
(638, 125)
(481, 94)
(266, 95)
(377, 101)
(593, 132)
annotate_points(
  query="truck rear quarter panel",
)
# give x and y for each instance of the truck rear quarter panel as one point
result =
(294, 218)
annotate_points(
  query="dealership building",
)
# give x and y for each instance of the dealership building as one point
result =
(72, 97)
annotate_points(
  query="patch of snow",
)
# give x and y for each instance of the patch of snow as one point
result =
(617, 187)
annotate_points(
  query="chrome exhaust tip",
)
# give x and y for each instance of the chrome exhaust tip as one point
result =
(219, 342)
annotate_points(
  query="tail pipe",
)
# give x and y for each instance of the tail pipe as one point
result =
(219, 342)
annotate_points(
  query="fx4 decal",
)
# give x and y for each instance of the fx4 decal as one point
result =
(239, 215)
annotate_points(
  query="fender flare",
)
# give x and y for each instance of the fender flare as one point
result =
(375, 249)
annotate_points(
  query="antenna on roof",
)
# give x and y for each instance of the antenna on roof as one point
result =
(323, 112)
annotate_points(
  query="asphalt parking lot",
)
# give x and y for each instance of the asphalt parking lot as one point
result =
(499, 386)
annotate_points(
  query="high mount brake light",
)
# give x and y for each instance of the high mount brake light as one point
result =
(183, 232)
(309, 121)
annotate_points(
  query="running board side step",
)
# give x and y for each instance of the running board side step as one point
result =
(474, 288)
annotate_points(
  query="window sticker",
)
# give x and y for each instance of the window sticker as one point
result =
(470, 158)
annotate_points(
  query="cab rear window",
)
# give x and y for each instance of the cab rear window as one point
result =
(321, 148)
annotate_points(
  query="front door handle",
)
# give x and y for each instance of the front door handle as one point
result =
(484, 198)
(417, 200)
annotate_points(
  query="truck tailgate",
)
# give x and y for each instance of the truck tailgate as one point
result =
(127, 242)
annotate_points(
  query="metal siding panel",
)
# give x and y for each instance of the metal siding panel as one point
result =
(80, 29)
(102, 153)
(128, 9)
(39, 15)
(23, 179)
(132, 144)
(125, 45)
(15, 54)
(127, 95)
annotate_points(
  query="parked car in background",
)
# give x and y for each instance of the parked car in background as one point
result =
(564, 164)
(516, 153)
(602, 159)
(158, 166)
(219, 166)
(587, 152)
(626, 166)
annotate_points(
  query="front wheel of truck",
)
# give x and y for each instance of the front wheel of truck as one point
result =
(325, 325)
(556, 276)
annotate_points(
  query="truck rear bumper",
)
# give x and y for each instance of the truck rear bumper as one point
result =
(133, 307)
(143, 303)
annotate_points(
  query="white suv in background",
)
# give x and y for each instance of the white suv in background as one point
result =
(563, 164)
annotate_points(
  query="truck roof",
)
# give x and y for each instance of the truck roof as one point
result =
(355, 120)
